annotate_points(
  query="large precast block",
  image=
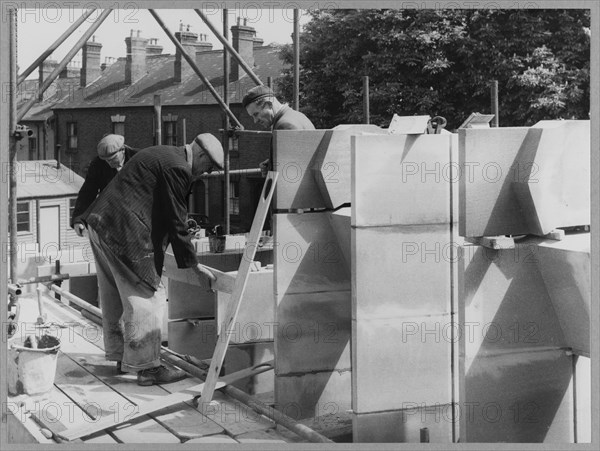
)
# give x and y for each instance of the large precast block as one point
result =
(553, 184)
(313, 332)
(565, 267)
(405, 425)
(332, 167)
(311, 395)
(409, 357)
(340, 223)
(519, 397)
(402, 179)
(524, 180)
(307, 255)
(401, 271)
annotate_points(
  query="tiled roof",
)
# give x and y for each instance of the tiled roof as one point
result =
(42, 178)
(110, 90)
(57, 91)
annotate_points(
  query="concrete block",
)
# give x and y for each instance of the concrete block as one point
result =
(313, 332)
(197, 339)
(411, 362)
(404, 426)
(504, 301)
(256, 316)
(488, 205)
(241, 356)
(189, 301)
(549, 194)
(332, 168)
(401, 271)
(518, 397)
(294, 154)
(340, 223)
(308, 257)
(414, 170)
(313, 394)
(583, 399)
(565, 267)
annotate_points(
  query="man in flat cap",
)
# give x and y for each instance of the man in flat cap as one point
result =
(130, 225)
(112, 155)
(262, 105)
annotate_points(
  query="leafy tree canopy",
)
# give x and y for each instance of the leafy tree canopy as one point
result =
(441, 62)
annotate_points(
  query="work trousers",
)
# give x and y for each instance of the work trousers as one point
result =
(132, 312)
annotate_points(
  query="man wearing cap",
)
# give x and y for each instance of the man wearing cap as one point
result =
(112, 155)
(262, 105)
(130, 225)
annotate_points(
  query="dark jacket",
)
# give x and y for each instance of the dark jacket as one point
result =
(290, 119)
(144, 209)
(99, 173)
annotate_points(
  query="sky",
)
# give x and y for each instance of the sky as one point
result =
(39, 27)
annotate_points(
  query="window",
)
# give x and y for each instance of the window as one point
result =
(118, 124)
(72, 202)
(169, 130)
(233, 143)
(71, 135)
(33, 148)
(234, 198)
(23, 217)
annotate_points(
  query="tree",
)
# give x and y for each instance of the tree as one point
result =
(441, 62)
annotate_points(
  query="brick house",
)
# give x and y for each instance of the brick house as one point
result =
(120, 98)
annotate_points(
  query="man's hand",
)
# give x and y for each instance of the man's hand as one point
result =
(264, 167)
(202, 270)
(80, 229)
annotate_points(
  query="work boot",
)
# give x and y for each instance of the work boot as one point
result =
(159, 375)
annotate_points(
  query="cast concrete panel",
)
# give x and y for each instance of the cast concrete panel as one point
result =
(256, 316)
(401, 361)
(565, 267)
(519, 397)
(332, 168)
(313, 394)
(189, 301)
(402, 179)
(505, 304)
(294, 154)
(307, 255)
(197, 338)
(401, 271)
(313, 332)
(340, 223)
(404, 426)
(488, 205)
(583, 399)
(241, 356)
(553, 184)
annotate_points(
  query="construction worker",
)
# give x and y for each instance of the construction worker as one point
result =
(262, 105)
(112, 155)
(130, 225)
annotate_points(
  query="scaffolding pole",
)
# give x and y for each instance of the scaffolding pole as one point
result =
(12, 162)
(86, 36)
(226, 124)
(296, 59)
(193, 65)
(56, 44)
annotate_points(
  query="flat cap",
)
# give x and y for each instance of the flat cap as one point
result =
(258, 92)
(110, 145)
(211, 146)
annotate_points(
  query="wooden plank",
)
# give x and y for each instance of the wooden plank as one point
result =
(143, 430)
(240, 285)
(184, 421)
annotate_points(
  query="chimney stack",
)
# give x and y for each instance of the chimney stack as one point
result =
(135, 65)
(190, 43)
(90, 69)
(153, 48)
(72, 70)
(243, 42)
(258, 42)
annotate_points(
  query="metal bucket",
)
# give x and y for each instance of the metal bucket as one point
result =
(31, 371)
